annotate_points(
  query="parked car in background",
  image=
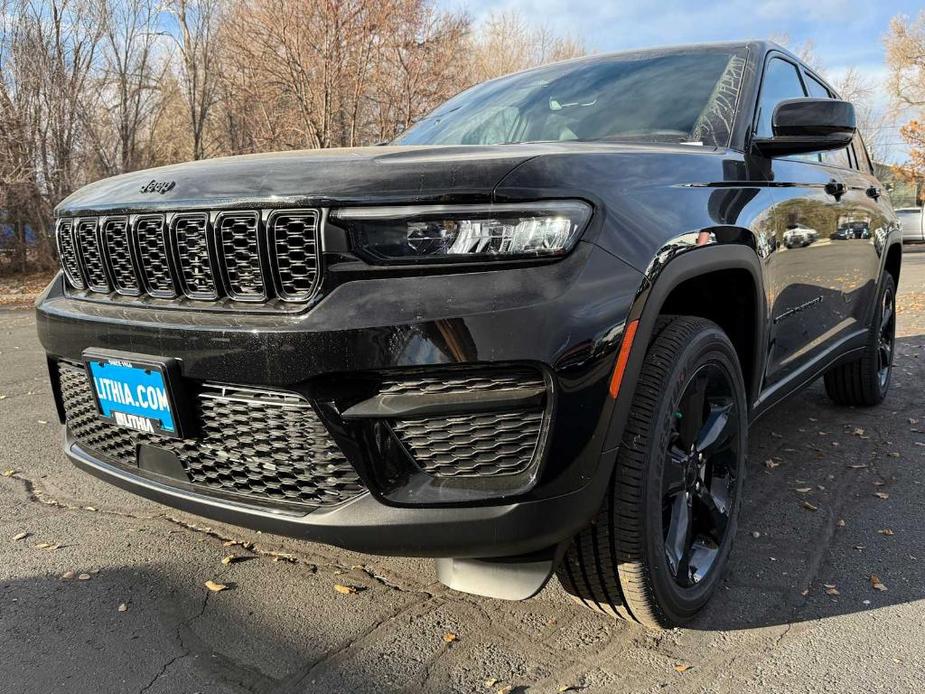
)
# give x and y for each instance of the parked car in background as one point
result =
(913, 222)
(528, 338)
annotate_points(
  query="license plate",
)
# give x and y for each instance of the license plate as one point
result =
(133, 393)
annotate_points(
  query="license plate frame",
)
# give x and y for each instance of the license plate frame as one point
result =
(159, 377)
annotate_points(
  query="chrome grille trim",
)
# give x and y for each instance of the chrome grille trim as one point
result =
(67, 253)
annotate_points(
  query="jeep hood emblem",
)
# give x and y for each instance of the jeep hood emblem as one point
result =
(158, 186)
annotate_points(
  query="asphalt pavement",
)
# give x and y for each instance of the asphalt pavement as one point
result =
(101, 591)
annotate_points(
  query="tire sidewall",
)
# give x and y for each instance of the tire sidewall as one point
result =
(711, 346)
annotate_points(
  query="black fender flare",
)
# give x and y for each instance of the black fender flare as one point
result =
(650, 298)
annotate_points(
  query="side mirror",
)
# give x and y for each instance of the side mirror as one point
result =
(809, 125)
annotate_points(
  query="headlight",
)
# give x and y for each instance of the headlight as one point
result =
(466, 232)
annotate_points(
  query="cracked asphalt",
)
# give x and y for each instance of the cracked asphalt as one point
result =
(797, 612)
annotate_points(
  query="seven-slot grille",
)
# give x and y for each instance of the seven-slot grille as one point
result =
(243, 256)
(268, 446)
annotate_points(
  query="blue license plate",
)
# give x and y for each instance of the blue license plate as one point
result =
(133, 394)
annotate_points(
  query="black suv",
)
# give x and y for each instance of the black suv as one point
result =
(526, 338)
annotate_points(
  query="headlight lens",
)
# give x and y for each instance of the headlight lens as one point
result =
(466, 232)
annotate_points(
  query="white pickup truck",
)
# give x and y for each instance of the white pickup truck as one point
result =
(913, 224)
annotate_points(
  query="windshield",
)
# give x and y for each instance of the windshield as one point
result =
(678, 96)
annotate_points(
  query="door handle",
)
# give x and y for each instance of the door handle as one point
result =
(835, 188)
(874, 192)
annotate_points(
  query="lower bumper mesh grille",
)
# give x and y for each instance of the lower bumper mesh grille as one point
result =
(497, 443)
(266, 445)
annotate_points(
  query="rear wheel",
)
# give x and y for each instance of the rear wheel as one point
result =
(866, 380)
(659, 546)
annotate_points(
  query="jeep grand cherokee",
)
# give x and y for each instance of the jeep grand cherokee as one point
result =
(526, 338)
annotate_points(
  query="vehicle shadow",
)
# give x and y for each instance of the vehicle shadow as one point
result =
(833, 497)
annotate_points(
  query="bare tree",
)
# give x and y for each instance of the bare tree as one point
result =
(905, 56)
(198, 22)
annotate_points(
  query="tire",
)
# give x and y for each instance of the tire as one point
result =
(865, 381)
(622, 564)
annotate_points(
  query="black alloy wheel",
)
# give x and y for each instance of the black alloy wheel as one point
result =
(865, 380)
(699, 480)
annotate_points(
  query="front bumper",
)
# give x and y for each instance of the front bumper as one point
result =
(564, 319)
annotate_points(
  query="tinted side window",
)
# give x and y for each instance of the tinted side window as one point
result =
(838, 157)
(860, 151)
(781, 81)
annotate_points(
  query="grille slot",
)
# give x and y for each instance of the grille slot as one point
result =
(192, 244)
(117, 247)
(294, 248)
(497, 443)
(261, 445)
(154, 257)
(92, 259)
(67, 253)
(240, 250)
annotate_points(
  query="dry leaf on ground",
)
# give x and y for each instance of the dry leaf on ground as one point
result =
(214, 586)
(449, 637)
(881, 495)
(344, 590)
(682, 667)
(809, 507)
(123, 607)
(876, 583)
(20, 536)
(83, 577)
(886, 531)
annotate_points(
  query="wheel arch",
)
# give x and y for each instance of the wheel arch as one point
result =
(668, 285)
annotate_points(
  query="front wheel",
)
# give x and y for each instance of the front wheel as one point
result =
(659, 546)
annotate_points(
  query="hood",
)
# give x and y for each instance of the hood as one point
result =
(310, 178)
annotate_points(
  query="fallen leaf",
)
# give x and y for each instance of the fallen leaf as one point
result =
(682, 667)
(876, 583)
(507, 689)
(832, 591)
(840, 523)
(803, 490)
(41, 421)
(215, 587)
(886, 531)
(491, 681)
(809, 507)
(123, 607)
(449, 637)
(568, 688)
(89, 508)
(42, 545)
(9, 472)
(858, 431)
(893, 454)
(771, 464)
(20, 536)
(881, 495)
(345, 590)
(230, 543)
(67, 575)
(83, 577)
(230, 559)
(859, 466)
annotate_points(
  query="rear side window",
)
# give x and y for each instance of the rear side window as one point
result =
(781, 81)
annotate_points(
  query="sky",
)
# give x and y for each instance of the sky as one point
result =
(845, 33)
